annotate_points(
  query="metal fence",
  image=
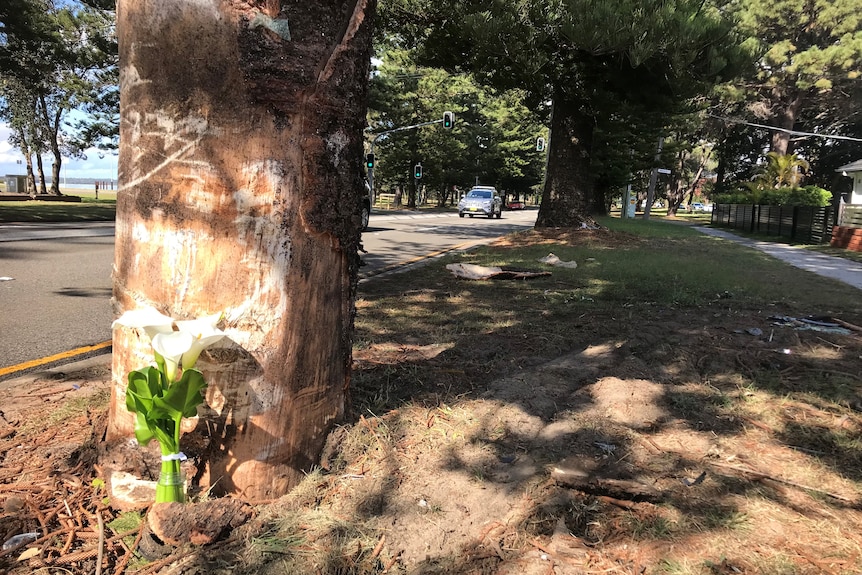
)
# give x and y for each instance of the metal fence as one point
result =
(802, 224)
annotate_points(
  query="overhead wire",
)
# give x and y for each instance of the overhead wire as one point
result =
(785, 130)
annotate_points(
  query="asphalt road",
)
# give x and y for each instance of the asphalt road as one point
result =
(396, 239)
(55, 279)
(54, 296)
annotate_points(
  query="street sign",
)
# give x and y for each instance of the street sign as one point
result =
(663, 171)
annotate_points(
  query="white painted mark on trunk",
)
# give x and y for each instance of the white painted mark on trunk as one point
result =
(181, 250)
(178, 136)
(267, 255)
(336, 144)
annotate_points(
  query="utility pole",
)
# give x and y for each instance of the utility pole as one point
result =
(653, 177)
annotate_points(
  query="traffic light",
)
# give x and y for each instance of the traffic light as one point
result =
(369, 161)
(417, 171)
(540, 144)
(448, 119)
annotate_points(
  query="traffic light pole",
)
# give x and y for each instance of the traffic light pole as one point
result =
(386, 133)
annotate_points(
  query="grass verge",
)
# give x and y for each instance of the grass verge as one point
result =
(89, 209)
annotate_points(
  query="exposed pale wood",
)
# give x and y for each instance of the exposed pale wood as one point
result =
(240, 183)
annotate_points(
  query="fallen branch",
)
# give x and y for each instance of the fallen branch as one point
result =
(757, 424)
(101, 548)
(156, 565)
(121, 566)
(391, 562)
(842, 323)
(758, 475)
(618, 502)
(379, 547)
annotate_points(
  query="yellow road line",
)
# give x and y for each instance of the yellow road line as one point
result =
(52, 358)
(391, 267)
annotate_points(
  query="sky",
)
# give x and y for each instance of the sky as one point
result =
(93, 167)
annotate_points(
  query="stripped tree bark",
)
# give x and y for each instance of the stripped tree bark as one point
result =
(240, 191)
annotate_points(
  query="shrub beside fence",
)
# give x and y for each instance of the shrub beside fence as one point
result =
(803, 224)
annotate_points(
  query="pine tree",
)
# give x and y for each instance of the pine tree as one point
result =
(808, 61)
(602, 64)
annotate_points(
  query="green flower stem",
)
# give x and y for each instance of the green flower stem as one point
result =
(160, 405)
(169, 488)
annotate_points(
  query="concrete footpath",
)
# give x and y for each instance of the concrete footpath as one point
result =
(840, 269)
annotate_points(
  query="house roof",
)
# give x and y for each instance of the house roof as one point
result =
(851, 167)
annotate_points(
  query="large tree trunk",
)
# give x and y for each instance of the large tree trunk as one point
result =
(52, 125)
(785, 118)
(567, 198)
(55, 174)
(31, 177)
(240, 190)
(42, 189)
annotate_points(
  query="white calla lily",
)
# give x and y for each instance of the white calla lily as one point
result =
(171, 347)
(205, 334)
(151, 320)
(179, 394)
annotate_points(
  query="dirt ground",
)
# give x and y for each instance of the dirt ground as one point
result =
(666, 444)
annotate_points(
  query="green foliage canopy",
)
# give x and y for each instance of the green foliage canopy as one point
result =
(493, 141)
(59, 58)
(616, 72)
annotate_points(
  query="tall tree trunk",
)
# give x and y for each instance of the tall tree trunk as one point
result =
(58, 156)
(240, 191)
(567, 198)
(55, 174)
(785, 118)
(52, 125)
(42, 189)
(701, 166)
(31, 177)
(676, 192)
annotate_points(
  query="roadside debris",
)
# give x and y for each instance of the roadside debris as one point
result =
(826, 325)
(553, 260)
(474, 272)
(696, 481)
(19, 540)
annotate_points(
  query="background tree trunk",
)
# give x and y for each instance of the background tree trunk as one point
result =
(42, 189)
(567, 199)
(785, 118)
(240, 190)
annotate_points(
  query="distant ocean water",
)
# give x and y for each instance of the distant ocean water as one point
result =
(90, 186)
(85, 184)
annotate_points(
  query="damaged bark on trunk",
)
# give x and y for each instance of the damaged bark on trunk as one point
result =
(240, 192)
